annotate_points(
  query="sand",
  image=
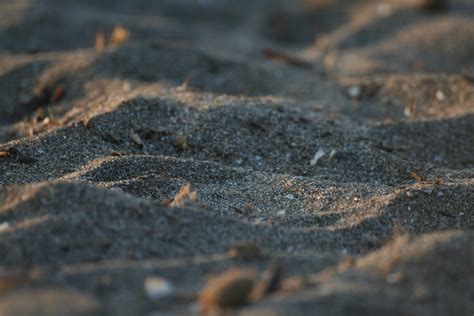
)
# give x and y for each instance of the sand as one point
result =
(235, 100)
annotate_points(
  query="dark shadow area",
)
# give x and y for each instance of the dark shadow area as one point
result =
(18, 86)
(445, 143)
(49, 26)
(302, 27)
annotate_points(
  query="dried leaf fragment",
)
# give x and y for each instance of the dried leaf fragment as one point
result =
(100, 41)
(184, 196)
(285, 58)
(119, 36)
(228, 290)
(57, 94)
(180, 142)
(416, 175)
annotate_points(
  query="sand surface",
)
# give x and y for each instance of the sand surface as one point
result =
(337, 136)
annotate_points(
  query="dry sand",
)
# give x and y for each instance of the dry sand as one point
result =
(235, 99)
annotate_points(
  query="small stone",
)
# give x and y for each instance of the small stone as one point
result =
(281, 213)
(180, 142)
(384, 9)
(428, 191)
(290, 196)
(440, 96)
(4, 226)
(354, 92)
(394, 278)
(440, 194)
(158, 288)
(410, 193)
(407, 112)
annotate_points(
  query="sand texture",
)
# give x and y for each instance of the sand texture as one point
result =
(142, 140)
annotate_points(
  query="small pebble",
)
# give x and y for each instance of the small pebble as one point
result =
(319, 154)
(384, 9)
(440, 96)
(158, 288)
(354, 92)
(4, 226)
(407, 112)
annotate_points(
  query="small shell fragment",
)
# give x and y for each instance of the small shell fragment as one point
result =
(319, 154)
(136, 139)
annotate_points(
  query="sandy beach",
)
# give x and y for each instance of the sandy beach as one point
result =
(321, 151)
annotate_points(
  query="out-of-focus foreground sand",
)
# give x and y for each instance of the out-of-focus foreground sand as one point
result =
(337, 136)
